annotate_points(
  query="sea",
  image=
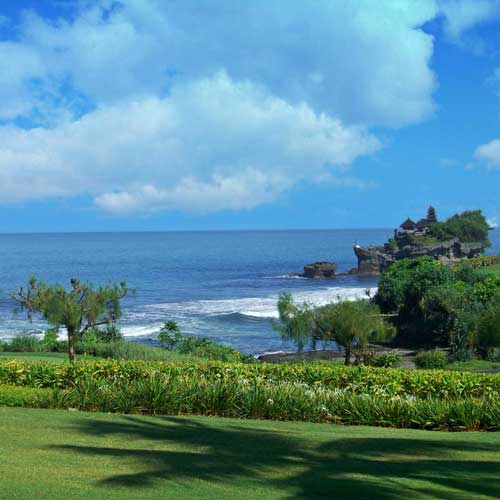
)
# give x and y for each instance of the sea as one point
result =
(223, 285)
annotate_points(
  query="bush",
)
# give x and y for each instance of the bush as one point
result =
(171, 338)
(25, 396)
(24, 343)
(358, 380)
(493, 354)
(387, 360)
(488, 328)
(127, 351)
(201, 347)
(468, 227)
(159, 394)
(431, 359)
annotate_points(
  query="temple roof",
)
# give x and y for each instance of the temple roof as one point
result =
(422, 223)
(408, 224)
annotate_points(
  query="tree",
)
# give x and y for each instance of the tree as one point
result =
(78, 309)
(470, 226)
(351, 324)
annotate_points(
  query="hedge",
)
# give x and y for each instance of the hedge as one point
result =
(356, 380)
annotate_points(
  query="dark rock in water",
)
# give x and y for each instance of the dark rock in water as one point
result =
(374, 260)
(320, 270)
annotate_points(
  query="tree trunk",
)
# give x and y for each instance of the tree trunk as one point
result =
(347, 355)
(71, 346)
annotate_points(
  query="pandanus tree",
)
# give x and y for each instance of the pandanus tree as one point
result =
(78, 309)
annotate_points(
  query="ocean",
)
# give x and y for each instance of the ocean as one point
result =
(220, 284)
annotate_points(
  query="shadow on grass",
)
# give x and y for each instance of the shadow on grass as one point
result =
(342, 468)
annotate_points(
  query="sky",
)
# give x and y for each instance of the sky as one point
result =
(231, 114)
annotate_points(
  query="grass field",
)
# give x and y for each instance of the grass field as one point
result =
(51, 454)
(59, 357)
(495, 269)
(474, 365)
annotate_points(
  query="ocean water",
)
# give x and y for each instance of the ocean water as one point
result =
(222, 285)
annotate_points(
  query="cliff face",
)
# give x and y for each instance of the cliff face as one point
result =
(374, 260)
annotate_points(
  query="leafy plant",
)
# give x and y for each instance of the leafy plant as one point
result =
(78, 310)
(387, 360)
(170, 335)
(350, 324)
(431, 360)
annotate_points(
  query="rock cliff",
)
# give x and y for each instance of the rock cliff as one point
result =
(374, 260)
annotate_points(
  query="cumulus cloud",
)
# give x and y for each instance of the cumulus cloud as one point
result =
(365, 62)
(489, 154)
(462, 15)
(211, 144)
(208, 105)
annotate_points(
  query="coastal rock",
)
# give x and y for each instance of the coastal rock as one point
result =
(374, 260)
(320, 270)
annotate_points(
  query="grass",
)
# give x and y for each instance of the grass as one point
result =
(59, 357)
(59, 454)
(473, 365)
(495, 269)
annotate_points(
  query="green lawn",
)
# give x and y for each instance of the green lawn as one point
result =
(53, 454)
(495, 269)
(59, 357)
(474, 365)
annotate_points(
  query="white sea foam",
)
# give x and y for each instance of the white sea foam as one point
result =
(257, 307)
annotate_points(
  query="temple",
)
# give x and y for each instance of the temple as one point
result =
(420, 228)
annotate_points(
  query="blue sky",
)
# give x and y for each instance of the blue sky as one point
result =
(215, 114)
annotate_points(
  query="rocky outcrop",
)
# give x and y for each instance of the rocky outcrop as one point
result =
(374, 260)
(320, 270)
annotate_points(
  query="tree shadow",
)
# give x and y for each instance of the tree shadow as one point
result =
(360, 467)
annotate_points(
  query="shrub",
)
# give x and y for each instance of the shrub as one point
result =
(358, 380)
(25, 396)
(493, 354)
(387, 360)
(159, 394)
(129, 351)
(488, 328)
(470, 226)
(49, 341)
(170, 335)
(431, 359)
(24, 343)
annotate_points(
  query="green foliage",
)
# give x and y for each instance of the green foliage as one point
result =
(297, 322)
(493, 354)
(392, 244)
(470, 226)
(122, 349)
(332, 376)
(431, 360)
(30, 397)
(169, 335)
(488, 327)
(387, 360)
(459, 401)
(350, 324)
(80, 309)
(49, 342)
(406, 280)
(24, 343)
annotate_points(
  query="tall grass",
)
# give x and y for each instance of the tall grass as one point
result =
(160, 395)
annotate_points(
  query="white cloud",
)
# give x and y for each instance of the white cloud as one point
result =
(211, 144)
(489, 154)
(494, 221)
(128, 108)
(365, 62)
(462, 15)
